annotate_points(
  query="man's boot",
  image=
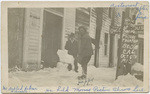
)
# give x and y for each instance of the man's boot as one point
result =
(81, 77)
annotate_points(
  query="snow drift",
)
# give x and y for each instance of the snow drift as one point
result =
(127, 81)
(65, 57)
(137, 67)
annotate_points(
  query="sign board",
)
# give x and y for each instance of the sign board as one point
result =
(128, 45)
(128, 51)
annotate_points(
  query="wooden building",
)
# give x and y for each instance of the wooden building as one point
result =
(39, 33)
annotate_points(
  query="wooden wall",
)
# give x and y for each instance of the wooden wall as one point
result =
(68, 24)
(106, 22)
(32, 39)
(15, 36)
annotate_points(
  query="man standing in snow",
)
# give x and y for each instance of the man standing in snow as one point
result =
(85, 50)
(72, 47)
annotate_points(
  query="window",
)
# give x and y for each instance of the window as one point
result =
(106, 44)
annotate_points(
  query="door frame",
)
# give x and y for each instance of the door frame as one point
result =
(58, 14)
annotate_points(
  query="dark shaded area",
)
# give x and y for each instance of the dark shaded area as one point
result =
(15, 36)
(51, 39)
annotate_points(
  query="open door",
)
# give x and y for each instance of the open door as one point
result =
(51, 39)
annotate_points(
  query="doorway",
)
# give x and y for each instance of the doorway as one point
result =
(51, 39)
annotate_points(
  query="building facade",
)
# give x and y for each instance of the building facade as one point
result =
(42, 32)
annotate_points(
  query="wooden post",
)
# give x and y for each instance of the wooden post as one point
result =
(99, 13)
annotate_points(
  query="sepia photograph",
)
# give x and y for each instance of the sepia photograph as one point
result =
(75, 49)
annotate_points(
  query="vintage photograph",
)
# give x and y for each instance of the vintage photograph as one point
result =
(76, 49)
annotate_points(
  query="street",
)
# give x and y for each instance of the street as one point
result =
(60, 76)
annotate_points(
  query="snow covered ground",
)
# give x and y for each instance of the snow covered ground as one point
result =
(61, 76)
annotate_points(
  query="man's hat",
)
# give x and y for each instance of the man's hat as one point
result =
(71, 35)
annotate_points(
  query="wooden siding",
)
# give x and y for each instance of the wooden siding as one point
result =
(68, 24)
(32, 39)
(106, 21)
